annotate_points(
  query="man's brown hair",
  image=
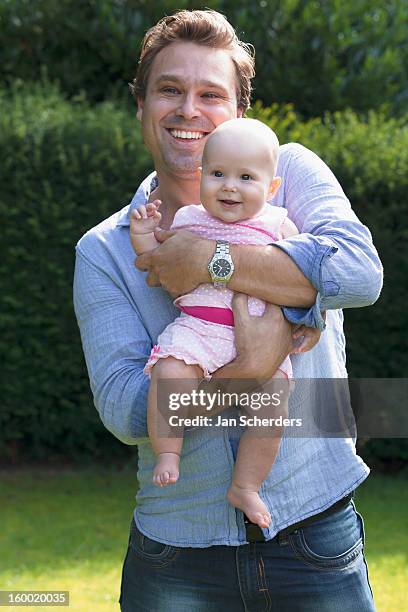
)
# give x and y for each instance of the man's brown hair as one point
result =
(208, 28)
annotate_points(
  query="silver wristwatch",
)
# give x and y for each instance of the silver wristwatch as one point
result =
(221, 266)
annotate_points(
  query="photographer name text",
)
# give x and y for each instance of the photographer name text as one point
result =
(242, 420)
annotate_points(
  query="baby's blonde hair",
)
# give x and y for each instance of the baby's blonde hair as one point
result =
(249, 128)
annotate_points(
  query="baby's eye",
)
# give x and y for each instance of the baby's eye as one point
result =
(246, 177)
(217, 173)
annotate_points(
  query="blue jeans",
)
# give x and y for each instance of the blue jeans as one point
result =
(319, 568)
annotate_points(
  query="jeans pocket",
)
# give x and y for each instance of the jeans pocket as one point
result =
(334, 542)
(155, 554)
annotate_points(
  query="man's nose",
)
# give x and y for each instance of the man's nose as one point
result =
(188, 107)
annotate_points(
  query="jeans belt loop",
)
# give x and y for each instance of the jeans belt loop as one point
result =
(282, 537)
(254, 533)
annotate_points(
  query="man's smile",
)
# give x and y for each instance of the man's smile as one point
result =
(187, 134)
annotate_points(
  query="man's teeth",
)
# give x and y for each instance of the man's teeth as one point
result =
(190, 135)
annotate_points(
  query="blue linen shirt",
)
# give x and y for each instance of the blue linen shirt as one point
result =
(120, 317)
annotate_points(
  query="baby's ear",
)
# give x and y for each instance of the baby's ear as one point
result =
(274, 186)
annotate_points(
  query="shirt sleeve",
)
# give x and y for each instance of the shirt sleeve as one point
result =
(334, 250)
(116, 347)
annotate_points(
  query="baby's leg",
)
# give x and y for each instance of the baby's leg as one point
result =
(256, 455)
(166, 447)
(254, 461)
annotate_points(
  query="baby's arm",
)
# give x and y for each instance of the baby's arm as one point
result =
(288, 228)
(143, 222)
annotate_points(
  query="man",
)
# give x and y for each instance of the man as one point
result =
(189, 549)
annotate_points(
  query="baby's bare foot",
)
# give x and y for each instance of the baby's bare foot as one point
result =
(250, 503)
(166, 470)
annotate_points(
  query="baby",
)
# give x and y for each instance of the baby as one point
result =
(237, 178)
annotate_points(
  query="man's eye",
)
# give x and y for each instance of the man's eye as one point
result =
(217, 173)
(210, 94)
(170, 90)
(246, 177)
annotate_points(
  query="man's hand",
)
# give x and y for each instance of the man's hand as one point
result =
(310, 335)
(179, 264)
(262, 343)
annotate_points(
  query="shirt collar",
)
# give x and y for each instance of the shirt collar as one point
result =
(141, 197)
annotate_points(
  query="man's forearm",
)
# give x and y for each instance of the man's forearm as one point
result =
(268, 273)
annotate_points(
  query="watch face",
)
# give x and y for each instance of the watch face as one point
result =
(221, 268)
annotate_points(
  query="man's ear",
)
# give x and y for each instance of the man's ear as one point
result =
(274, 186)
(139, 113)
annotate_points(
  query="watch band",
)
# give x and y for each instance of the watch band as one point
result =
(222, 248)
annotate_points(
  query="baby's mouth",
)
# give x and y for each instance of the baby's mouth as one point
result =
(229, 202)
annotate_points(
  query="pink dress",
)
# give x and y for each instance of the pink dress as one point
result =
(205, 343)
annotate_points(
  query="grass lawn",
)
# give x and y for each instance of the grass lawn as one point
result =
(68, 530)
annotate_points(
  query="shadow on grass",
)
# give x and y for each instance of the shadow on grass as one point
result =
(58, 519)
(54, 520)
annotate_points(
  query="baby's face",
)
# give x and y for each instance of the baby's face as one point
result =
(236, 177)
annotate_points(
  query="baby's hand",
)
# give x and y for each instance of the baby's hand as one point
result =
(145, 219)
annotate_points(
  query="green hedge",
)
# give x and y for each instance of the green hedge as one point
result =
(318, 55)
(66, 166)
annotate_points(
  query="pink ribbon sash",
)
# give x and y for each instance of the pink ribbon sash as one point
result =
(213, 314)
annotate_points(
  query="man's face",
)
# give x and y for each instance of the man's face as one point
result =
(191, 89)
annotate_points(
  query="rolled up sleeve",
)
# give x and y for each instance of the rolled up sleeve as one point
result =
(116, 347)
(334, 250)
